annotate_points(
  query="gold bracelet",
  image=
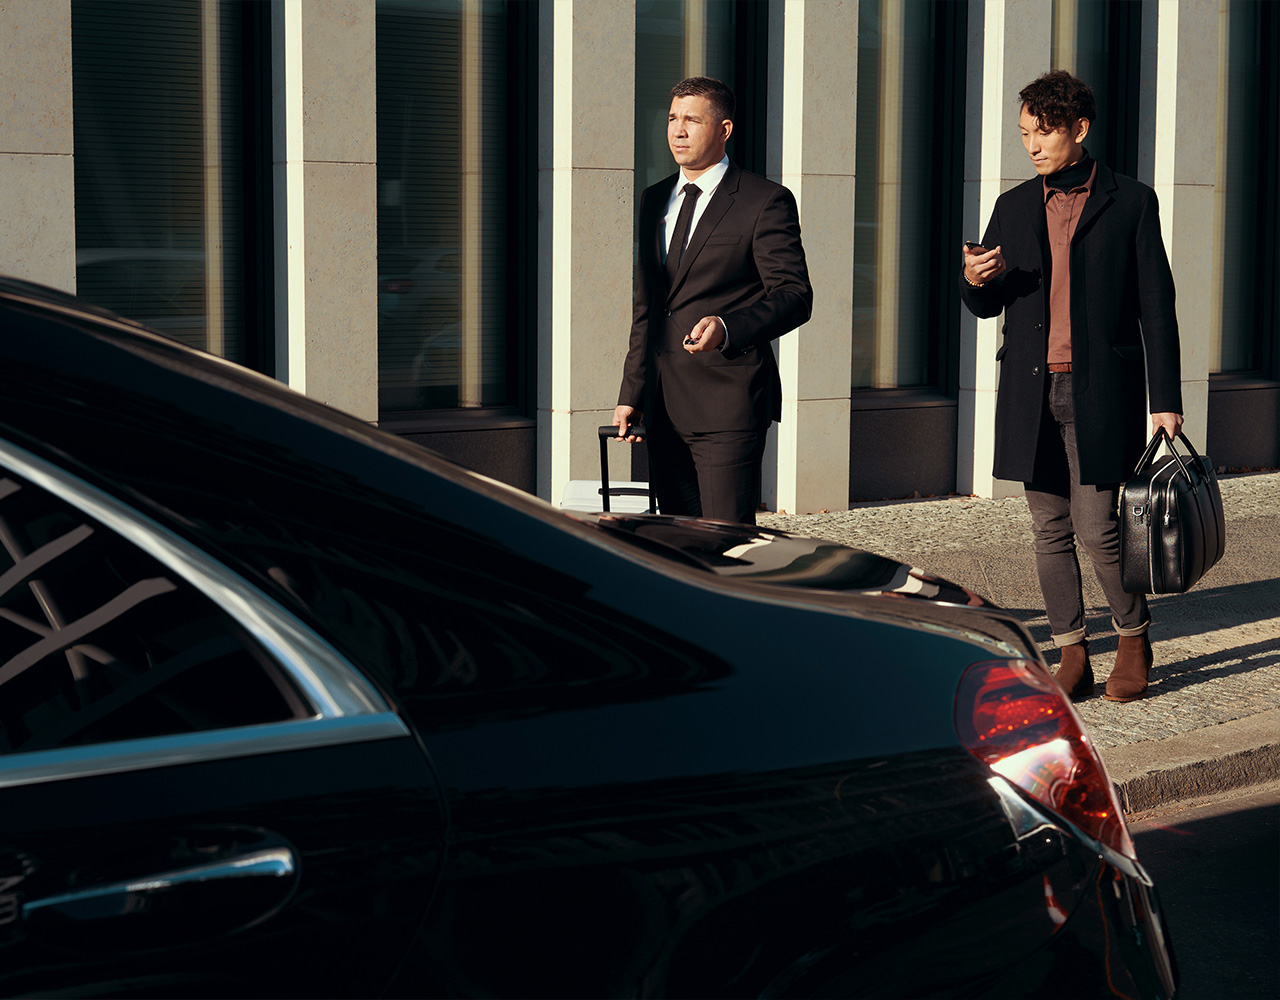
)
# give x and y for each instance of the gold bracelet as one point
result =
(972, 284)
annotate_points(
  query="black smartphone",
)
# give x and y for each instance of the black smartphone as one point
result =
(975, 246)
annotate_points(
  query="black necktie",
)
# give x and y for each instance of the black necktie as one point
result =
(681, 236)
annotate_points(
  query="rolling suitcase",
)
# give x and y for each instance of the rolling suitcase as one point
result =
(1171, 524)
(592, 495)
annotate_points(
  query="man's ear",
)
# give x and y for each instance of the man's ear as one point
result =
(727, 125)
(1082, 129)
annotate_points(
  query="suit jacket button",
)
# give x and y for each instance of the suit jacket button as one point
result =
(1035, 370)
(1039, 326)
(668, 312)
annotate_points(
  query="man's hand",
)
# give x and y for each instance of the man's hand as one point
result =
(1171, 422)
(982, 265)
(706, 335)
(623, 418)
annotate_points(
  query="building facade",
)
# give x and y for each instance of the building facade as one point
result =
(422, 211)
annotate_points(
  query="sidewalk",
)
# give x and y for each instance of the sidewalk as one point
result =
(1211, 718)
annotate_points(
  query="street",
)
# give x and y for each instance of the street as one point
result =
(1216, 864)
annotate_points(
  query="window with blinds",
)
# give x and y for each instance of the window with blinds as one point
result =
(159, 165)
(445, 339)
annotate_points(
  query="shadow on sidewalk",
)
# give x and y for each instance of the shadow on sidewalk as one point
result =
(1175, 616)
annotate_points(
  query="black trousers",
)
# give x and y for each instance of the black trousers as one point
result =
(713, 474)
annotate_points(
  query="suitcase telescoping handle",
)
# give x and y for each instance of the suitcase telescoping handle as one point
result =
(608, 431)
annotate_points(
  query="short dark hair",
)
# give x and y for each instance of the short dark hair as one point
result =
(718, 94)
(1057, 99)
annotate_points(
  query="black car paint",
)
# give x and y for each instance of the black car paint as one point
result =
(652, 780)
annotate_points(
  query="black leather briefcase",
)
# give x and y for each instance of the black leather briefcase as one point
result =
(1171, 524)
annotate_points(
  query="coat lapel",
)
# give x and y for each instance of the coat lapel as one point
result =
(1104, 186)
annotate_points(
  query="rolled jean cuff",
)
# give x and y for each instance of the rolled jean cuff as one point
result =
(1136, 630)
(1072, 637)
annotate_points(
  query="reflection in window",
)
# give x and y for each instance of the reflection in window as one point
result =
(895, 221)
(676, 39)
(159, 165)
(444, 148)
(1097, 40)
(99, 642)
(1237, 198)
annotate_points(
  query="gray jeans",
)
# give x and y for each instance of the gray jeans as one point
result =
(1062, 510)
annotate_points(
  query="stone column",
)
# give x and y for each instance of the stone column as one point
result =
(586, 175)
(37, 171)
(1177, 156)
(811, 146)
(1009, 46)
(324, 100)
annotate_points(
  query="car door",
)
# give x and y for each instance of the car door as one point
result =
(198, 796)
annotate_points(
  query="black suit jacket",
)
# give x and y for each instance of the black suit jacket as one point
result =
(1122, 301)
(745, 264)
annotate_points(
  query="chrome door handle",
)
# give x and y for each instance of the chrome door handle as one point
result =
(98, 901)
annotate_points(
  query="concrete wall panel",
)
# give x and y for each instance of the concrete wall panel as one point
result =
(37, 219)
(37, 176)
(342, 286)
(339, 75)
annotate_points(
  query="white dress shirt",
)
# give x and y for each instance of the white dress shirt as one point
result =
(708, 183)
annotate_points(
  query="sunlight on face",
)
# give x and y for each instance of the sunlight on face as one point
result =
(1056, 150)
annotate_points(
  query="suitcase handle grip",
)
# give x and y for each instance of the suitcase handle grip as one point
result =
(611, 430)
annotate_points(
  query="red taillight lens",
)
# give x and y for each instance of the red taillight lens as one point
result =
(1015, 719)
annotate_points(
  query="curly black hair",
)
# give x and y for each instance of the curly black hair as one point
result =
(718, 94)
(1057, 99)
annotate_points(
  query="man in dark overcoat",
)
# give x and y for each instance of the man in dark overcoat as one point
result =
(1075, 260)
(720, 274)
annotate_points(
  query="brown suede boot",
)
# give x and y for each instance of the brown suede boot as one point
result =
(1075, 672)
(1128, 680)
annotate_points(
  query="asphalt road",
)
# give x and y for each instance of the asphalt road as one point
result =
(1216, 864)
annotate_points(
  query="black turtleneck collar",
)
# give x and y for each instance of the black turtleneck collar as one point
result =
(1074, 176)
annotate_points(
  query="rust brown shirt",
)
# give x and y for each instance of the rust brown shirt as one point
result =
(1062, 212)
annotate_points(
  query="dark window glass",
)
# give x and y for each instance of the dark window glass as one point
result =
(676, 39)
(445, 336)
(99, 642)
(1244, 192)
(159, 165)
(907, 195)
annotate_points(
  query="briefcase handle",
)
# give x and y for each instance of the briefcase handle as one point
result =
(1161, 436)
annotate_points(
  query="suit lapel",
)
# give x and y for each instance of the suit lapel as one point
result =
(719, 204)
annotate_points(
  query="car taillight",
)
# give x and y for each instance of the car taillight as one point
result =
(1013, 717)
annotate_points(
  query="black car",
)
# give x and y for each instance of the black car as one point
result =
(290, 707)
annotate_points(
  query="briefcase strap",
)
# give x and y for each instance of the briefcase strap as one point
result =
(1161, 436)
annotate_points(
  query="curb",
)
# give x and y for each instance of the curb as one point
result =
(1220, 758)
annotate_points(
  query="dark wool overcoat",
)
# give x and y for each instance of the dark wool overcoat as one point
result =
(1121, 302)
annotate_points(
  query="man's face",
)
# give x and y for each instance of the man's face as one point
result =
(696, 138)
(1052, 151)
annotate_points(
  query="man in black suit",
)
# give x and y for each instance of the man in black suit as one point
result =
(1075, 259)
(721, 273)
